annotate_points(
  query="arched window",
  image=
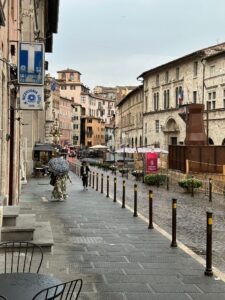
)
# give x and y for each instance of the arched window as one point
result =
(140, 142)
(210, 141)
(146, 142)
(136, 142)
(132, 143)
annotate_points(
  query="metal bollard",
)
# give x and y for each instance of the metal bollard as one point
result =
(114, 198)
(107, 188)
(123, 196)
(96, 181)
(208, 270)
(174, 222)
(150, 226)
(90, 179)
(93, 180)
(102, 184)
(135, 201)
(210, 190)
(167, 183)
(192, 186)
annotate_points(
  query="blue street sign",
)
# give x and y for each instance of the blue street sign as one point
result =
(31, 63)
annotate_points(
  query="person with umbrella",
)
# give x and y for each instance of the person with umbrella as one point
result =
(59, 168)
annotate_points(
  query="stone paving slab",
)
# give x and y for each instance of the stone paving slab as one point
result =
(115, 254)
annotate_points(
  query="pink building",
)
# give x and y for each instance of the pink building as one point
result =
(65, 121)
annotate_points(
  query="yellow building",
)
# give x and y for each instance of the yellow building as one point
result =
(92, 131)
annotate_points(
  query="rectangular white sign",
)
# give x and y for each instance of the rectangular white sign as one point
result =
(31, 97)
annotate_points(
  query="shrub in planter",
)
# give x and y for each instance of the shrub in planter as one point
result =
(137, 173)
(123, 171)
(113, 168)
(187, 183)
(155, 179)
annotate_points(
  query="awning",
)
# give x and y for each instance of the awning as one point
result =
(45, 147)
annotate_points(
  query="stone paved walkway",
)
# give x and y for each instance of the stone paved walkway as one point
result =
(114, 253)
(191, 213)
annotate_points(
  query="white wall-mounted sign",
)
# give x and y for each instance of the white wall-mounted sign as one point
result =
(32, 97)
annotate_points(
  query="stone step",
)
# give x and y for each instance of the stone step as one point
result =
(16, 233)
(10, 214)
(43, 236)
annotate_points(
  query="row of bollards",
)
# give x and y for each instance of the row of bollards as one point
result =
(92, 175)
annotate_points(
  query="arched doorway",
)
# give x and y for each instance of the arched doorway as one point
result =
(223, 142)
(146, 142)
(136, 142)
(171, 130)
(132, 142)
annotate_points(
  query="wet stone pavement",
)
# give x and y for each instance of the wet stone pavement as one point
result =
(191, 213)
(114, 253)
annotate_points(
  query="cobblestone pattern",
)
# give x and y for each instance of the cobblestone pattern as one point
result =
(191, 213)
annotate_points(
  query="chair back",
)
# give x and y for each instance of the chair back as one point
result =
(20, 257)
(3, 298)
(65, 291)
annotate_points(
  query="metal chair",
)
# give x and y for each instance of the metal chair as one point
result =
(21, 257)
(65, 291)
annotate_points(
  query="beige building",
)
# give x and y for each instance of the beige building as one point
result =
(129, 119)
(77, 113)
(198, 77)
(39, 19)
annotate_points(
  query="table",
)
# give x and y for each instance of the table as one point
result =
(24, 286)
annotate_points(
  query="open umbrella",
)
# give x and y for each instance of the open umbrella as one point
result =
(58, 166)
(99, 147)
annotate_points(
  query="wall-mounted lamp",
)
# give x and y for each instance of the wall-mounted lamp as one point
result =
(7, 137)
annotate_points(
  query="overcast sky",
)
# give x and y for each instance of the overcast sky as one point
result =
(111, 42)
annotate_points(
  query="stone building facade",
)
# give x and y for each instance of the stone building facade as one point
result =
(198, 77)
(129, 119)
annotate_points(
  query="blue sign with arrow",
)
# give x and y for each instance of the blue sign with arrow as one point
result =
(31, 63)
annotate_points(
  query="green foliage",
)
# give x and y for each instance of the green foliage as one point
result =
(155, 179)
(103, 165)
(137, 173)
(123, 171)
(188, 182)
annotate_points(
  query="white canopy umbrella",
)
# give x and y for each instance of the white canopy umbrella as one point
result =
(98, 147)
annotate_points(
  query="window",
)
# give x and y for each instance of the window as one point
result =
(76, 109)
(156, 101)
(89, 120)
(194, 96)
(179, 94)
(146, 127)
(195, 69)
(75, 126)
(166, 97)
(223, 98)
(146, 103)
(156, 125)
(211, 103)
(71, 76)
(63, 75)
(83, 99)
(157, 80)
(63, 87)
(166, 77)
(72, 87)
(177, 73)
(212, 70)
